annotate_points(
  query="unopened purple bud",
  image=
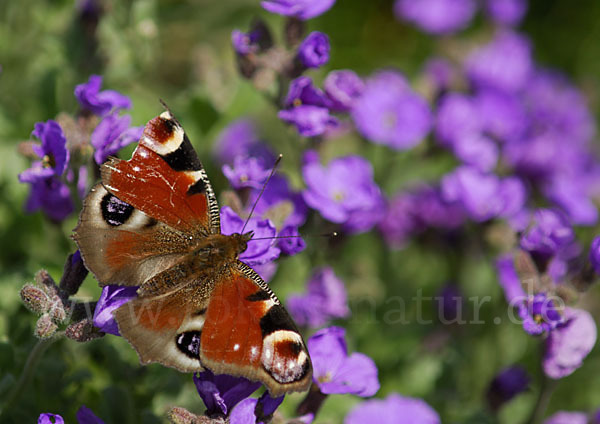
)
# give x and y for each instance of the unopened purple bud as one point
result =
(506, 385)
(314, 50)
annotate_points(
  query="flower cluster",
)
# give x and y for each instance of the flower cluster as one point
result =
(325, 299)
(532, 281)
(60, 158)
(439, 17)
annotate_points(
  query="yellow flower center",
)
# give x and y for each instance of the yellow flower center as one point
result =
(325, 378)
(389, 120)
(48, 161)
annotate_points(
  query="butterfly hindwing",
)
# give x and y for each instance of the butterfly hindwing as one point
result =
(165, 328)
(248, 333)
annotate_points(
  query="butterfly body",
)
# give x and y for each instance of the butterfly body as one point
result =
(153, 222)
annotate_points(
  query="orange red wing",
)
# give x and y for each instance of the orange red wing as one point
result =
(165, 179)
(248, 333)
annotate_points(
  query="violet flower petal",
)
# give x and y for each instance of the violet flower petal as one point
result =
(111, 299)
(569, 344)
(301, 9)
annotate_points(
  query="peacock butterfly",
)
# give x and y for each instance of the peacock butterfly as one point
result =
(153, 222)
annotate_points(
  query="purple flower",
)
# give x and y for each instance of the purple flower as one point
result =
(52, 196)
(303, 92)
(112, 134)
(293, 243)
(52, 152)
(111, 299)
(246, 172)
(279, 203)
(594, 254)
(506, 12)
(478, 151)
(483, 196)
(394, 409)
(343, 88)
(436, 16)
(457, 117)
(85, 415)
(240, 139)
(301, 9)
(344, 192)
(549, 233)
(509, 280)
(540, 314)
(48, 418)
(337, 373)
(569, 344)
(309, 120)
(501, 114)
(259, 251)
(313, 52)
(558, 107)
(504, 64)
(220, 393)
(573, 194)
(566, 417)
(506, 385)
(246, 411)
(100, 102)
(326, 299)
(390, 113)
(307, 108)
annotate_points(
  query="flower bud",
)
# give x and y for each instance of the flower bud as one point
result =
(73, 274)
(83, 331)
(45, 327)
(35, 299)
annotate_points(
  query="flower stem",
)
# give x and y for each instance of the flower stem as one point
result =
(547, 388)
(32, 360)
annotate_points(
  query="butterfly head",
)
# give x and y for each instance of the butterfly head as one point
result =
(241, 241)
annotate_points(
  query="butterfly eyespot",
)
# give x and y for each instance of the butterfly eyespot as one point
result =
(189, 343)
(114, 211)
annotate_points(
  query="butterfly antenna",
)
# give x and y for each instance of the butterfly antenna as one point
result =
(164, 104)
(332, 234)
(262, 190)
